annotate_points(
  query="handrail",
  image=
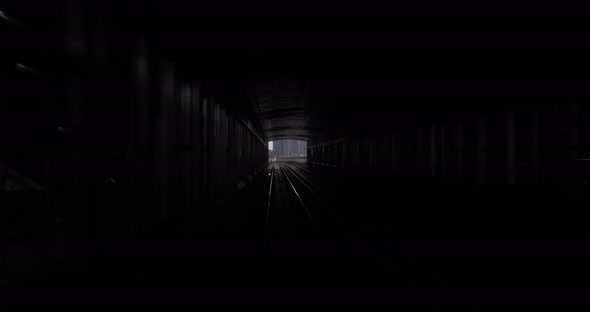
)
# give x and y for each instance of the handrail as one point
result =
(12, 21)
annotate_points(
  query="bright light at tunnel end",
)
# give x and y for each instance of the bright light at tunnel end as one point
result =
(288, 148)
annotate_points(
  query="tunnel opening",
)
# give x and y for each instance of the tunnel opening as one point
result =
(287, 149)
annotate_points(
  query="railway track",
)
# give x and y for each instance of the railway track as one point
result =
(291, 196)
(293, 178)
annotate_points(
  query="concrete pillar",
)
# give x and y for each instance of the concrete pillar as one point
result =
(422, 163)
(393, 151)
(165, 133)
(574, 174)
(443, 151)
(535, 146)
(344, 158)
(433, 146)
(356, 153)
(460, 152)
(481, 149)
(510, 148)
(205, 146)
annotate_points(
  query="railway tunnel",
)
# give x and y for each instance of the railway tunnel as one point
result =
(445, 164)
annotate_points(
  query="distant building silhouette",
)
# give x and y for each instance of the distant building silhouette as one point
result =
(289, 148)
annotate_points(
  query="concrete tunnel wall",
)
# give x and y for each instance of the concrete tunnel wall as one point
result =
(115, 132)
(511, 145)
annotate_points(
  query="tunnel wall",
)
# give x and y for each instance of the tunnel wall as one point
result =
(506, 145)
(115, 135)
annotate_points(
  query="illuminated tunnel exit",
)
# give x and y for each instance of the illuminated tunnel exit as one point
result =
(288, 148)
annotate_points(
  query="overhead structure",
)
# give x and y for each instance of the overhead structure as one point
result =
(283, 109)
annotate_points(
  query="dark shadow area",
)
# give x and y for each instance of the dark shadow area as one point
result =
(417, 163)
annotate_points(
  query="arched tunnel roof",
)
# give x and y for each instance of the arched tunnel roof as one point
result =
(320, 80)
(283, 109)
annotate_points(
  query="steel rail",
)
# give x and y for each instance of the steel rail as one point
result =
(313, 224)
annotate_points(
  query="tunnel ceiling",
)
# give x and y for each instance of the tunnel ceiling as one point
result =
(283, 109)
(328, 77)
